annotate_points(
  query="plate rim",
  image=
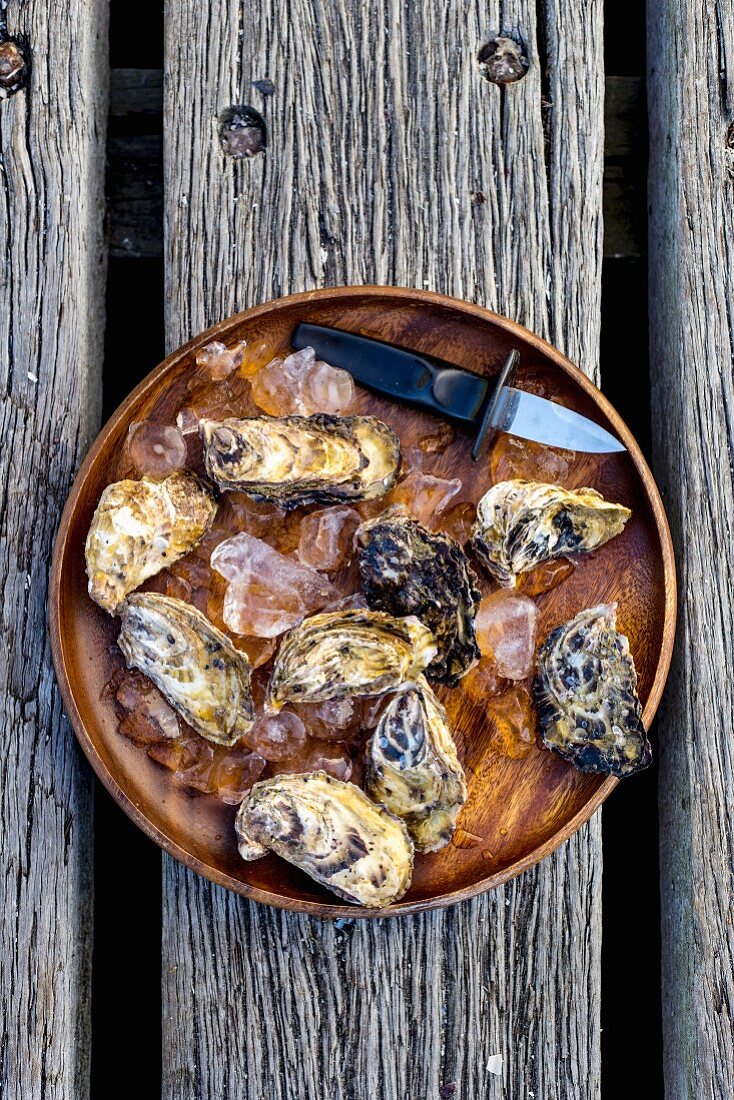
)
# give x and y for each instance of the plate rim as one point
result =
(219, 331)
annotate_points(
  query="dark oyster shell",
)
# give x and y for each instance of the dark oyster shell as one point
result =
(407, 569)
(330, 830)
(296, 460)
(522, 523)
(412, 768)
(586, 693)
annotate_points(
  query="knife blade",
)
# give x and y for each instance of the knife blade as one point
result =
(487, 404)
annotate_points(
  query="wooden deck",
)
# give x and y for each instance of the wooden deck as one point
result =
(389, 159)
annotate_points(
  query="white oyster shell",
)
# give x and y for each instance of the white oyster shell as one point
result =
(330, 830)
(192, 663)
(296, 460)
(343, 653)
(139, 528)
(522, 523)
(412, 767)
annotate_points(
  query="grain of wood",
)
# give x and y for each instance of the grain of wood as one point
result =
(389, 160)
(691, 98)
(135, 191)
(51, 329)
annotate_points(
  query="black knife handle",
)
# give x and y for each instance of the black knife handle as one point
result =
(422, 380)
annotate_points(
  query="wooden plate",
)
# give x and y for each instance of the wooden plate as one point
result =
(521, 809)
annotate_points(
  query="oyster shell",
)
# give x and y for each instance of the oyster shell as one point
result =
(412, 768)
(408, 570)
(138, 528)
(302, 459)
(330, 830)
(586, 693)
(196, 667)
(342, 653)
(522, 523)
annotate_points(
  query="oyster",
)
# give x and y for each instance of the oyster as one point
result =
(196, 667)
(341, 653)
(586, 693)
(522, 523)
(330, 830)
(302, 459)
(408, 570)
(138, 528)
(412, 768)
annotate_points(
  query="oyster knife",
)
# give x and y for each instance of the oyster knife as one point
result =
(487, 404)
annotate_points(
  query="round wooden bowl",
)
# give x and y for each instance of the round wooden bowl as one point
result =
(518, 810)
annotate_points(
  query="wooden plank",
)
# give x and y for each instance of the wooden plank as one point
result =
(135, 195)
(691, 96)
(51, 330)
(389, 159)
(135, 190)
(136, 93)
(624, 167)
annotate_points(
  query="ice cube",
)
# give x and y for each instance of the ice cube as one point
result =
(268, 592)
(277, 737)
(523, 458)
(457, 521)
(480, 684)
(156, 450)
(251, 609)
(327, 389)
(187, 421)
(219, 360)
(302, 385)
(506, 625)
(332, 720)
(547, 575)
(258, 650)
(331, 757)
(327, 537)
(425, 496)
(144, 715)
(513, 718)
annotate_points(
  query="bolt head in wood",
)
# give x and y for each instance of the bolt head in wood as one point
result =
(242, 132)
(502, 61)
(13, 68)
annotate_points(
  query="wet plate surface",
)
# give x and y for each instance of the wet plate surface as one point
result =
(523, 800)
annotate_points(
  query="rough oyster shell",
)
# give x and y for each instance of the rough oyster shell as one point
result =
(412, 768)
(341, 653)
(406, 569)
(302, 459)
(139, 528)
(195, 665)
(330, 830)
(586, 693)
(522, 523)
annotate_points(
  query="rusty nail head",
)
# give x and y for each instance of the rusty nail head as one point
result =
(242, 131)
(502, 61)
(13, 68)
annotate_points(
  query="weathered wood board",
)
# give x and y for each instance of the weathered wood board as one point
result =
(51, 331)
(135, 185)
(691, 101)
(389, 159)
